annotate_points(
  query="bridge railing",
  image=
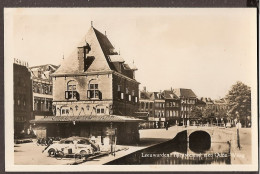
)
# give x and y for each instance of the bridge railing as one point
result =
(209, 125)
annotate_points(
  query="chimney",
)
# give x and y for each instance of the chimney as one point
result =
(81, 57)
(144, 89)
(171, 89)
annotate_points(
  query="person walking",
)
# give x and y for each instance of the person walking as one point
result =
(166, 125)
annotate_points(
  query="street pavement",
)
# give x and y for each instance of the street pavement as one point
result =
(31, 154)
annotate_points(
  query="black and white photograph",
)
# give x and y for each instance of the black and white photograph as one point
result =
(130, 89)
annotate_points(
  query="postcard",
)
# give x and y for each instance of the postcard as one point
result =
(131, 89)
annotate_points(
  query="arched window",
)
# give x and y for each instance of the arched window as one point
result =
(93, 90)
(71, 92)
(71, 86)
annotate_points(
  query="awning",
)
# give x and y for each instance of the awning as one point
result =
(103, 118)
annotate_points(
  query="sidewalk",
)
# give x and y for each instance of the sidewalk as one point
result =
(244, 154)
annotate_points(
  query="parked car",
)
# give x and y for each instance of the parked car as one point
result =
(73, 145)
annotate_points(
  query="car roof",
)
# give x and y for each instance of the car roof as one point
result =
(75, 138)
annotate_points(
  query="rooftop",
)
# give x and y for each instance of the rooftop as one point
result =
(101, 52)
(186, 93)
(105, 118)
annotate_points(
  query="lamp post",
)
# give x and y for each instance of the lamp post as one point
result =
(238, 126)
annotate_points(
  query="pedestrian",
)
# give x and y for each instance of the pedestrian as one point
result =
(166, 125)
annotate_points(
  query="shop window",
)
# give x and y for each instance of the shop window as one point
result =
(142, 105)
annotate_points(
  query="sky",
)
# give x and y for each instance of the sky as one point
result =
(206, 50)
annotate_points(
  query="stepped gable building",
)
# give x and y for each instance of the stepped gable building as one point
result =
(42, 88)
(22, 98)
(172, 107)
(188, 100)
(94, 90)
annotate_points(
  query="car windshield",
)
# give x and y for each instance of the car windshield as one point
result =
(83, 142)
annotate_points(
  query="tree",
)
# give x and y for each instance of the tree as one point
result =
(195, 112)
(239, 101)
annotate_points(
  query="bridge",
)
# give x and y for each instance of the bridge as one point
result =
(216, 134)
(197, 137)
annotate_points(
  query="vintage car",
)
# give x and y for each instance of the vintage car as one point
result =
(73, 145)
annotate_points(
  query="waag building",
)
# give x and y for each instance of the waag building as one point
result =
(94, 91)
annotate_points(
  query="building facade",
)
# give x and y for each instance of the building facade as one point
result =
(172, 107)
(22, 98)
(42, 88)
(187, 101)
(94, 90)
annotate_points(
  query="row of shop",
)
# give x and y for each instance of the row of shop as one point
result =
(103, 128)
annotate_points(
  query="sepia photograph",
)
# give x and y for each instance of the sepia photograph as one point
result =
(131, 89)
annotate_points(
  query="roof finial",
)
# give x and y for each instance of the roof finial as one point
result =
(133, 61)
(105, 33)
(91, 23)
(119, 51)
(63, 56)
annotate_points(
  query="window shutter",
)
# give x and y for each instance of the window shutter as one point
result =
(88, 93)
(66, 94)
(119, 95)
(77, 95)
(133, 98)
(100, 95)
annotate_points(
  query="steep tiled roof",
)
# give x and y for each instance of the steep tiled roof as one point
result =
(105, 118)
(168, 94)
(101, 50)
(207, 100)
(200, 102)
(116, 58)
(187, 93)
(157, 96)
(145, 95)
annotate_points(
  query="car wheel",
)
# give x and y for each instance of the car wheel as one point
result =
(51, 152)
(83, 153)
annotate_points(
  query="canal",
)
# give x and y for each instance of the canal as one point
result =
(199, 150)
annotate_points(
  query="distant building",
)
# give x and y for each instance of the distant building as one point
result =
(146, 107)
(172, 107)
(94, 91)
(200, 104)
(188, 100)
(22, 98)
(42, 88)
(220, 105)
(153, 103)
